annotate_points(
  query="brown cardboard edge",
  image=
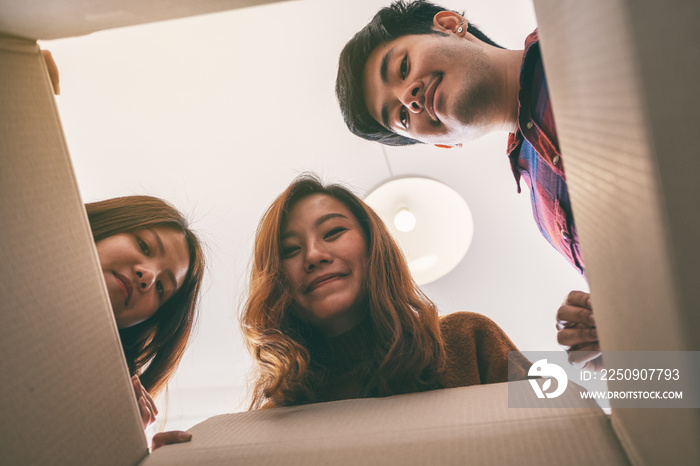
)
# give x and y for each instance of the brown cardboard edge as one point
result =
(28, 103)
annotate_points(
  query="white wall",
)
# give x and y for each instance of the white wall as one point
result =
(218, 113)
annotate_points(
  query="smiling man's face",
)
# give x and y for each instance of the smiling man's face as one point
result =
(435, 88)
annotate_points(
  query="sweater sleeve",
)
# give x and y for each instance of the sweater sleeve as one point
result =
(477, 351)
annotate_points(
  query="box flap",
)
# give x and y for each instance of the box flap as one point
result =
(38, 19)
(65, 395)
(453, 426)
(623, 82)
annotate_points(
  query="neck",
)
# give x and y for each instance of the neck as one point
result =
(344, 350)
(509, 63)
(343, 323)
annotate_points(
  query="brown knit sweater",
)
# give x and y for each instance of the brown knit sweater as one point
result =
(476, 353)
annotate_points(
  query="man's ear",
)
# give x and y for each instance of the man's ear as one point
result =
(449, 21)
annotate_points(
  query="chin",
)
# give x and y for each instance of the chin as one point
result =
(324, 314)
(117, 303)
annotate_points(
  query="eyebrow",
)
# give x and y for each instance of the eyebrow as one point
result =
(385, 116)
(326, 217)
(158, 241)
(161, 248)
(319, 222)
(383, 67)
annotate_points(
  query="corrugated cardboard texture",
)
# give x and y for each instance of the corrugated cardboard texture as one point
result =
(470, 425)
(65, 396)
(623, 83)
(41, 19)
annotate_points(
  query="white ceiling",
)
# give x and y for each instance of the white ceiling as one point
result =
(218, 113)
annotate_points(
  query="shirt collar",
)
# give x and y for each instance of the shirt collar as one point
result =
(515, 139)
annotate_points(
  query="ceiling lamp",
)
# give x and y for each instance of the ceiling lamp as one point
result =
(430, 221)
(404, 221)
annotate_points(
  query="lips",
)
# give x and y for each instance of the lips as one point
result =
(125, 285)
(322, 280)
(430, 96)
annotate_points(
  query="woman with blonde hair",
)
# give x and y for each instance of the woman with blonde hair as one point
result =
(333, 312)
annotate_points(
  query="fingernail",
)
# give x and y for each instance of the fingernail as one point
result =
(591, 318)
(184, 436)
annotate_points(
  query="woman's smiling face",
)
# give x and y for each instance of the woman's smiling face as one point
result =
(324, 258)
(142, 271)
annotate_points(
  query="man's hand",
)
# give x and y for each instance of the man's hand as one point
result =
(170, 437)
(147, 407)
(577, 332)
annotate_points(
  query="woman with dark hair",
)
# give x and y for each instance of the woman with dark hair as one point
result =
(153, 266)
(333, 312)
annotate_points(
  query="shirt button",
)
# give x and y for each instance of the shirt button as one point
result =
(555, 159)
(529, 125)
(565, 235)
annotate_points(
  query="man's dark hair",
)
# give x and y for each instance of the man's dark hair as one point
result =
(401, 18)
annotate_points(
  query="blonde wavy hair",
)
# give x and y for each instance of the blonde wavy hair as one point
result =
(408, 351)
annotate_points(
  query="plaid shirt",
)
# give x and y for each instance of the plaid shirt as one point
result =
(534, 156)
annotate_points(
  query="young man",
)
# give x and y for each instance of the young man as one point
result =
(418, 73)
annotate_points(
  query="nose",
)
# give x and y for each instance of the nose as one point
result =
(412, 97)
(145, 278)
(316, 255)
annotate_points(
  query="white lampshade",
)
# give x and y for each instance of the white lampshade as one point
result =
(431, 222)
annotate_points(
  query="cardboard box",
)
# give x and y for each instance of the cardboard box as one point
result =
(625, 122)
(622, 81)
(470, 425)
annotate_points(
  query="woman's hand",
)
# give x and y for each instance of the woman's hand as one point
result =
(577, 332)
(170, 437)
(147, 407)
(148, 411)
(53, 71)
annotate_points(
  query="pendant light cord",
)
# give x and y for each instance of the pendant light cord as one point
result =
(386, 159)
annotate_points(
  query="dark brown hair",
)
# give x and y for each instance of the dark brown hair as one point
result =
(154, 348)
(399, 19)
(407, 348)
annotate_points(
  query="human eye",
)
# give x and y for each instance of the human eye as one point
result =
(403, 68)
(289, 251)
(403, 117)
(143, 246)
(334, 232)
(160, 288)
